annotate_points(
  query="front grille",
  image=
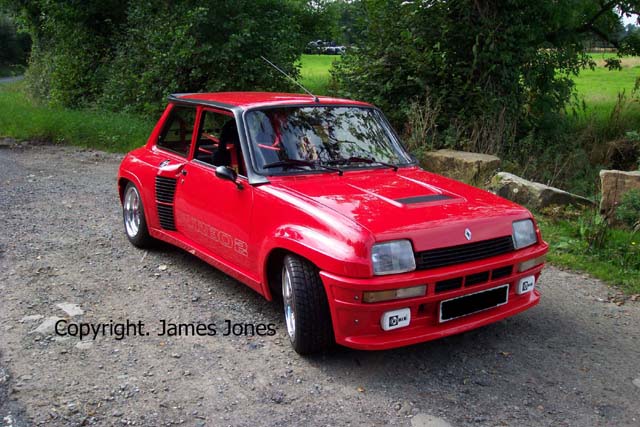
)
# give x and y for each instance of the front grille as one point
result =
(501, 272)
(473, 279)
(441, 257)
(449, 284)
(476, 279)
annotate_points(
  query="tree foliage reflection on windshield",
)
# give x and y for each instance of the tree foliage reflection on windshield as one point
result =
(322, 135)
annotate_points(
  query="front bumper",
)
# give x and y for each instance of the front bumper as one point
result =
(357, 324)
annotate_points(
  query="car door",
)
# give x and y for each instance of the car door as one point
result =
(169, 155)
(213, 213)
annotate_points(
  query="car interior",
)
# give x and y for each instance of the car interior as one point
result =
(176, 135)
(218, 143)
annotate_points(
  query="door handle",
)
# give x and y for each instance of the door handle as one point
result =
(183, 172)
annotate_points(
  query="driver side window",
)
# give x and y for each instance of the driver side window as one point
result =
(218, 143)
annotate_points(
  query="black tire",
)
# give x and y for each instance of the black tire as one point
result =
(140, 236)
(313, 331)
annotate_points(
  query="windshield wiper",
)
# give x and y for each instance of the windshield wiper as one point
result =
(289, 163)
(300, 164)
(356, 159)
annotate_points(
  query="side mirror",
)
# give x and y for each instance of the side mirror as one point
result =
(228, 174)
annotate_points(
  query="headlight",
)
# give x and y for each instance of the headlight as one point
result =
(392, 257)
(524, 234)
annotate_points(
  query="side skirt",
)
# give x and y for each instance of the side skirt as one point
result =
(206, 256)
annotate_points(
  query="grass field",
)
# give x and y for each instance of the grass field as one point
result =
(315, 72)
(601, 86)
(598, 88)
(23, 119)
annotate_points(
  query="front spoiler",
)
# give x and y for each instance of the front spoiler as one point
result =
(357, 324)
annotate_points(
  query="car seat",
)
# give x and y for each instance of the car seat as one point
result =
(229, 135)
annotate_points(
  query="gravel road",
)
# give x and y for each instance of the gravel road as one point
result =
(573, 360)
(11, 79)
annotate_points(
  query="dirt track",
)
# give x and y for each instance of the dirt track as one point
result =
(570, 361)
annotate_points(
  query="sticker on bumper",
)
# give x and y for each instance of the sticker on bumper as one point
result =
(526, 284)
(395, 319)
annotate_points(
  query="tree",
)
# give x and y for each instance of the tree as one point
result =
(124, 54)
(15, 45)
(494, 70)
(195, 46)
(345, 23)
(72, 46)
(318, 22)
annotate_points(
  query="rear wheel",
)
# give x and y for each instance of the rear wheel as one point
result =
(306, 309)
(135, 224)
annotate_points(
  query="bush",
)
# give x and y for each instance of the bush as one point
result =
(628, 211)
(15, 45)
(501, 72)
(127, 55)
(497, 72)
(201, 46)
(73, 45)
(585, 242)
(421, 129)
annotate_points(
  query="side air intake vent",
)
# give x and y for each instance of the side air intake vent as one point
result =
(165, 191)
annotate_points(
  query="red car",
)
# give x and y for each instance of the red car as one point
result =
(316, 202)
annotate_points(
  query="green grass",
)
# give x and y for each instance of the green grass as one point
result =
(23, 119)
(608, 110)
(599, 88)
(315, 72)
(615, 261)
(606, 93)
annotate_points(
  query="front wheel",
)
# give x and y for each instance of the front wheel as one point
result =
(306, 309)
(135, 224)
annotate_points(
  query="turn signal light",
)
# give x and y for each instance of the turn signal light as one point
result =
(393, 294)
(524, 266)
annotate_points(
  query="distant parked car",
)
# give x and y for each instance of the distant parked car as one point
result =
(315, 201)
(324, 47)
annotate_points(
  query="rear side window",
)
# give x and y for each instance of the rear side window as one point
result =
(178, 129)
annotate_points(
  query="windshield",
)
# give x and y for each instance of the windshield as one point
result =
(291, 139)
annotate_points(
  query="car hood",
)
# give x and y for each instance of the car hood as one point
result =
(431, 210)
